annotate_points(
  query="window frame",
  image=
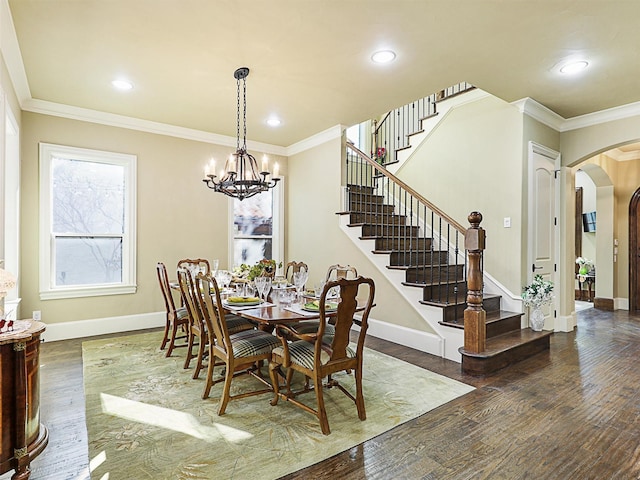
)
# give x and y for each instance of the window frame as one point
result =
(48, 288)
(277, 236)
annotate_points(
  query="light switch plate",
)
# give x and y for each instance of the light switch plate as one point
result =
(507, 222)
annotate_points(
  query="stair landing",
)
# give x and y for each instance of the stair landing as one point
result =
(504, 350)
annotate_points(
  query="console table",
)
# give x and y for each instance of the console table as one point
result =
(22, 436)
(590, 280)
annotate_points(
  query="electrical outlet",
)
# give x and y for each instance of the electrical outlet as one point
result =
(37, 316)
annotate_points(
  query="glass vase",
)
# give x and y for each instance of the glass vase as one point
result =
(536, 319)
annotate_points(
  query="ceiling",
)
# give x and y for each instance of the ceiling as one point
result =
(310, 59)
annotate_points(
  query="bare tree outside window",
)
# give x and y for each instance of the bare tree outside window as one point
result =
(88, 218)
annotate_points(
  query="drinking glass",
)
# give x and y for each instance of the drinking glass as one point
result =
(286, 297)
(214, 267)
(261, 283)
(267, 287)
(224, 278)
(299, 279)
(318, 288)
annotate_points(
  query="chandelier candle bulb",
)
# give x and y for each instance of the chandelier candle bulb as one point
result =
(265, 164)
(275, 169)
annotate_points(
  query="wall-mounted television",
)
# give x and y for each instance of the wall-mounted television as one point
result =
(589, 221)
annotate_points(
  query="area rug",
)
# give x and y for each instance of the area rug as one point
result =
(146, 418)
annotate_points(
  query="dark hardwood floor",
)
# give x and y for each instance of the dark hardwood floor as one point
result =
(570, 413)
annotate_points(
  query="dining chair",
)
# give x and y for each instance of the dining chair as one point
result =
(294, 267)
(317, 355)
(336, 272)
(197, 329)
(197, 325)
(239, 353)
(195, 265)
(175, 317)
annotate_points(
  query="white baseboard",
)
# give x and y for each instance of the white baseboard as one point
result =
(101, 326)
(621, 303)
(565, 323)
(416, 339)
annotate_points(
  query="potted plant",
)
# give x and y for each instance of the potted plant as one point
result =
(536, 295)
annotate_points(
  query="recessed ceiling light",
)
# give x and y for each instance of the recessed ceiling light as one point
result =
(122, 84)
(574, 67)
(383, 56)
(273, 122)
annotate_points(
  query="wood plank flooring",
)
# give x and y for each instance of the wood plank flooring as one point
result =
(570, 413)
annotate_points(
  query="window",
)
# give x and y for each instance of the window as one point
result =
(257, 227)
(87, 222)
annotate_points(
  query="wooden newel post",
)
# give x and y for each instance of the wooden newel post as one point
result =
(475, 317)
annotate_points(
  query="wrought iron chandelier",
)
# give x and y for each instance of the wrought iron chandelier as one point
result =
(241, 177)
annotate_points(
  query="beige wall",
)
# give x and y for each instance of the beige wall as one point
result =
(314, 235)
(473, 162)
(177, 216)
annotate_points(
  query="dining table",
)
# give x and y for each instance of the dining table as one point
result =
(269, 314)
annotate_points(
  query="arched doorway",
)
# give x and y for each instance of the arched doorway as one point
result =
(603, 241)
(634, 252)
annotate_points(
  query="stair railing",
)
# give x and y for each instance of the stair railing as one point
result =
(420, 236)
(392, 132)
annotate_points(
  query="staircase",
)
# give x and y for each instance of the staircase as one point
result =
(421, 242)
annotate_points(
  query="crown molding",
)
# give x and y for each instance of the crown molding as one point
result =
(621, 156)
(315, 140)
(603, 116)
(536, 110)
(11, 53)
(121, 121)
(539, 112)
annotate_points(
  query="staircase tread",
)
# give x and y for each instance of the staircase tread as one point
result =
(427, 117)
(499, 315)
(402, 148)
(507, 341)
(422, 285)
(417, 131)
(415, 250)
(461, 302)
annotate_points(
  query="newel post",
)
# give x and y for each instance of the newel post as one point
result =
(475, 318)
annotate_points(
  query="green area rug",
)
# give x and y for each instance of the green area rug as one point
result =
(146, 418)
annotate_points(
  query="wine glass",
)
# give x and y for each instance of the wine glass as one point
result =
(224, 278)
(267, 287)
(260, 285)
(299, 279)
(214, 267)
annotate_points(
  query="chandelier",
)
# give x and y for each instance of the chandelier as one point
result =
(241, 177)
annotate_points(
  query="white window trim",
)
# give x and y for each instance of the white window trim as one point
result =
(277, 242)
(48, 290)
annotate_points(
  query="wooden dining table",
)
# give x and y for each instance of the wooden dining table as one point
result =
(274, 314)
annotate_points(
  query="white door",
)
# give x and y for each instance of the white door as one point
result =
(542, 215)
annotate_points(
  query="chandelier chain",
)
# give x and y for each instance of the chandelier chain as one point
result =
(238, 115)
(244, 113)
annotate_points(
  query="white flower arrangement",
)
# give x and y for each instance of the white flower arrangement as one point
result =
(584, 262)
(539, 293)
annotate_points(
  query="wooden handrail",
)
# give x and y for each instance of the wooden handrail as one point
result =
(391, 176)
(381, 122)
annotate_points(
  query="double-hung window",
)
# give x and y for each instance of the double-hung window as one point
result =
(258, 229)
(87, 222)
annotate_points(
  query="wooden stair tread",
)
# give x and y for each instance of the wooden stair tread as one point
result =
(506, 342)
(461, 302)
(492, 317)
(427, 117)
